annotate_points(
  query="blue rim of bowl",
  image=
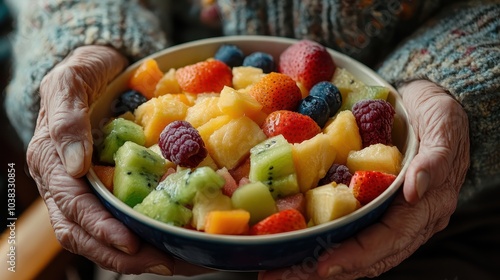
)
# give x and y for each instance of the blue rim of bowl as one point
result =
(411, 147)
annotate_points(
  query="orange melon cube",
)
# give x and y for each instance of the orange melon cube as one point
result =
(227, 222)
(105, 174)
(146, 77)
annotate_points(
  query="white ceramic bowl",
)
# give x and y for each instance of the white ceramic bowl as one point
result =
(248, 253)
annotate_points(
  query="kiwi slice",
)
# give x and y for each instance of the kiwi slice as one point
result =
(137, 172)
(183, 185)
(116, 133)
(158, 205)
(271, 162)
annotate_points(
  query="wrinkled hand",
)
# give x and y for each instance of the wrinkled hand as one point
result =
(60, 154)
(429, 197)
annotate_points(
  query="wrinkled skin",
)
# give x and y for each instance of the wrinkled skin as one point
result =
(429, 196)
(60, 154)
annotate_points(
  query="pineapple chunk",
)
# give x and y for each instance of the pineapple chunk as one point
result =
(312, 159)
(344, 134)
(212, 125)
(231, 143)
(238, 103)
(329, 202)
(376, 157)
(244, 76)
(203, 110)
(168, 84)
(157, 113)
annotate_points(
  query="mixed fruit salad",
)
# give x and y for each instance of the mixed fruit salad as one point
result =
(249, 144)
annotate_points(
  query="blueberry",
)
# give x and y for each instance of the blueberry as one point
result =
(316, 108)
(330, 93)
(230, 54)
(260, 60)
(129, 101)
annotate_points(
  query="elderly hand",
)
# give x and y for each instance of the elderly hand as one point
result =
(60, 153)
(429, 196)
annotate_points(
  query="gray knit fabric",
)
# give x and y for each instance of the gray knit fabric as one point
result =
(461, 53)
(459, 49)
(49, 30)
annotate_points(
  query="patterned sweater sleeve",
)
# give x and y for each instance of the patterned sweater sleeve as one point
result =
(48, 30)
(459, 50)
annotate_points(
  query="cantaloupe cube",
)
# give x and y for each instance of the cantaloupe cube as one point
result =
(312, 159)
(227, 221)
(145, 78)
(105, 174)
(157, 113)
(344, 134)
(231, 144)
(203, 110)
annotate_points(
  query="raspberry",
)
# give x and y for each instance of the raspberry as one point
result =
(337, 173)
(374, 118)
(181, 143)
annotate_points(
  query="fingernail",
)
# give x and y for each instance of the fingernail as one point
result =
(72, 158)
(122, 248)
(422, 183)
(159, 269)
(334, 270)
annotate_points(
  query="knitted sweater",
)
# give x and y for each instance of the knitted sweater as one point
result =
(458, 49)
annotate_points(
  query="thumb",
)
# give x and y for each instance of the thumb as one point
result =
(66, 93)
(442, 128)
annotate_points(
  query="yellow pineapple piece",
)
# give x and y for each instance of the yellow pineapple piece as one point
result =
(208, 161)
(344, 134)
(203, 110)
(167, 84)
(312, 159)
(204, 202)
(168, 164)
(245, 76)
(237, 103)
(329, 202)
(376, 157)
(208, 128)
(157, 113)
(231, 143)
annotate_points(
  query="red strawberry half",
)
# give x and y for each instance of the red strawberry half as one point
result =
(307, 62)
(294, 126)
(283, 221)
(367, 185)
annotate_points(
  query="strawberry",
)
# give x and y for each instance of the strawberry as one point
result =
(367, 185)
(276, 91)
(283, 221)
(307, 62)
(204, 76)
(294, 126)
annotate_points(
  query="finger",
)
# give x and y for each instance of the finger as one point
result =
(443, 131)
(66, 93)
(72, 196)
(77, 240)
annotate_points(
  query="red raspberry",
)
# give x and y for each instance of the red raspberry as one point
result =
(181, 143)
(374, 118)
(337, 173)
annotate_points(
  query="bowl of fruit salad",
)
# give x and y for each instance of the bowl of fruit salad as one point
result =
(248, 153)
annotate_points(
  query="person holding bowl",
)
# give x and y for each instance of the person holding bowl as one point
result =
(446, 71)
